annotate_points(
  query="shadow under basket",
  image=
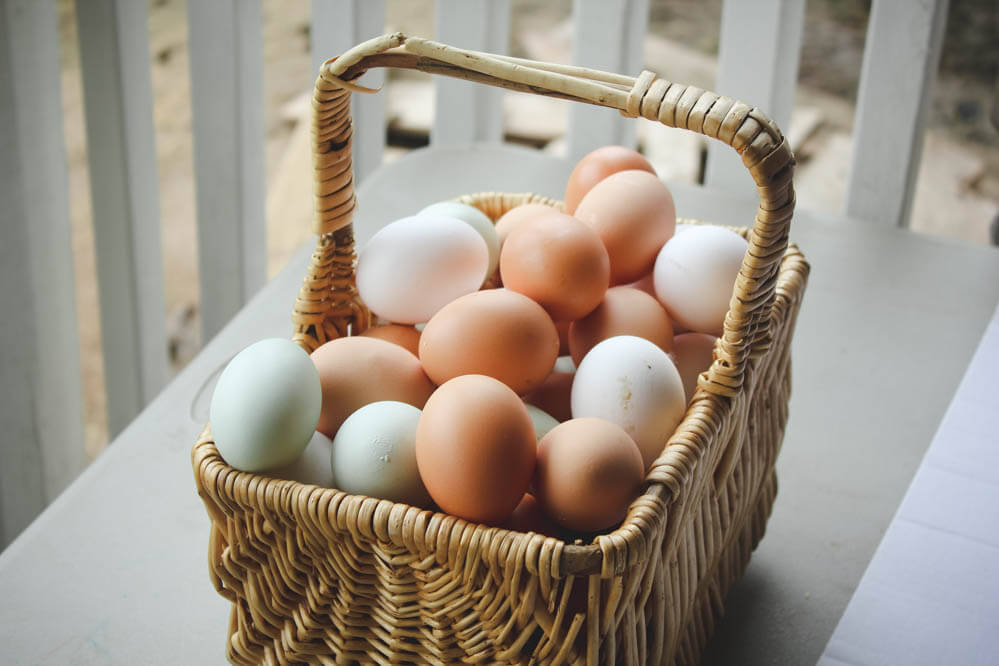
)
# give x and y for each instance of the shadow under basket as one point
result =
(319, 576)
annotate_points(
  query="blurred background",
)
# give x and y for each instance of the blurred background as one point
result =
(957, 191)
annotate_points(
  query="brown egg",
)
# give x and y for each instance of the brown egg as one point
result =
(558, 262)
(554, 396)
(563, 337)
(646, 284)
(356, 371)
(588, 472)
(634, 215)
(624, 311)
(513, 217)
(596, 166)
(405, 336)
(693, 354)
(475, 448)
(498, 333)
(528, 517)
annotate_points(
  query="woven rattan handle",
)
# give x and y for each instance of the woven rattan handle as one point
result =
(328, 302)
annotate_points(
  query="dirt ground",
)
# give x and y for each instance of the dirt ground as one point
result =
(961, 158)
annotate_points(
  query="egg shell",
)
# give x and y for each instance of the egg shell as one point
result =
(498, 333)
(558, 262)
(588, 473)
(693, 354)
(528, 517)
(313, 466)
(634, 215)
(542, 421)
(412, 267)
(374, 454)
(597, 165)
(695, 274)
(554, 395)
(475, 448)
(563, 337)
(265, 406)
(647, 282)
(632, 383)
(623, 311)
(564, 364)
(476, 219)
(356, 371)
(407, 337)
(513, 217)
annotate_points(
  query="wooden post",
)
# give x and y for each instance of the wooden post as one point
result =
(117, 88)
(608, 36)
(901, 57)
(758, 55)
(40, 396)
(467, 112)
(229, 154)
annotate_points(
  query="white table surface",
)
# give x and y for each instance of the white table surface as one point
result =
(115, 570)
(930, 595)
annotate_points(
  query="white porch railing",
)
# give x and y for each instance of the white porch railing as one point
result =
(41, 444)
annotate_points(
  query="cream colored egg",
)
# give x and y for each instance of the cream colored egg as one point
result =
(474, 218)
(413, 267)
(695, 273)
(632, 383)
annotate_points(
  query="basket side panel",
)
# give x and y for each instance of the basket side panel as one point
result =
(714, 527)
(307, 595)
(741, 501)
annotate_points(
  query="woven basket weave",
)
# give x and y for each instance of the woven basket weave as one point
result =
(319, 576)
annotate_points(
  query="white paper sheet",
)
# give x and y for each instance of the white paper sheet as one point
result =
(931, 593)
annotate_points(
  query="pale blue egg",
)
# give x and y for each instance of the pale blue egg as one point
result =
(266, 406)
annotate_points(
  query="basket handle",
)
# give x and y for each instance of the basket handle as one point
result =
(328, 301)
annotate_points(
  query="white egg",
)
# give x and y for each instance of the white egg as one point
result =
(374, 453)
(543, 421)
(478, 221)
(313, 466)
(413, 267)
(632, 383)
(695, 273)
(265, 406)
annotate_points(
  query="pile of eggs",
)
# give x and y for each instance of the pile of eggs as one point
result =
(525, 373)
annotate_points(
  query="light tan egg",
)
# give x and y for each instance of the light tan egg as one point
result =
(596, 166)
(634, 215)
(513, 217)
(554, 396)
(405, 336)
(528, 517)
(357, 371)
(624, 311)
(558, 262)
(563, 337)
(496, 332)
(693, 354)
(588, 473)
(475, 448)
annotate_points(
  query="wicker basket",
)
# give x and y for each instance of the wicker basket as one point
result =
(316, 575)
